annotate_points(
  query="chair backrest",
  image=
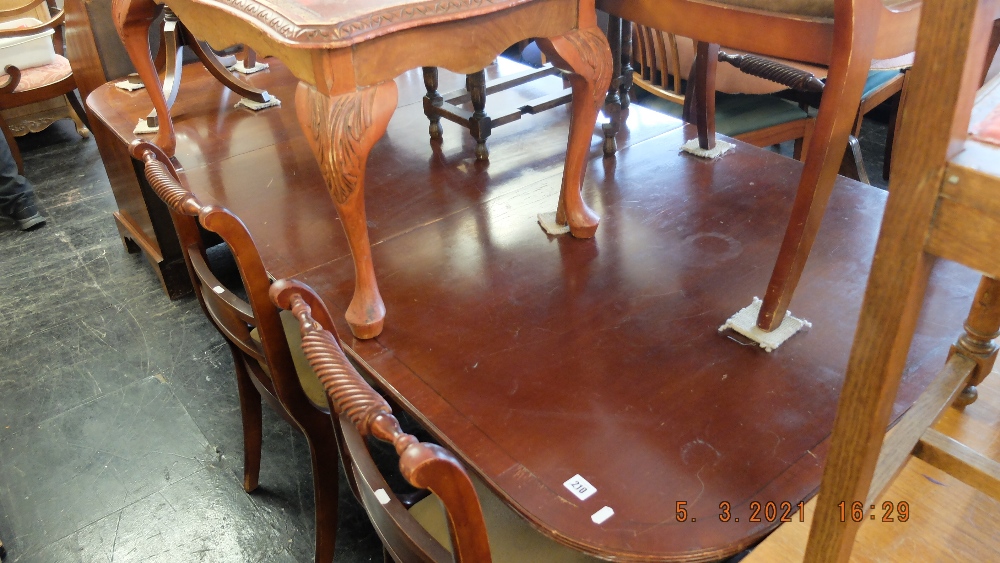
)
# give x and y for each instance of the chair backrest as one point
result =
(231, 315)
(942, 203)
(656, 63)
(361, 413)
(45, 11)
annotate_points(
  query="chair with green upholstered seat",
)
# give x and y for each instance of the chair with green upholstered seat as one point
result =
(265, 345)
(743, 108)
(461, 519)
(842, 35)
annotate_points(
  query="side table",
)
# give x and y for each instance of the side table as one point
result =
(346, 54)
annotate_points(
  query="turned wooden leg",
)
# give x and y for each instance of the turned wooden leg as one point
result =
(132, 20)
(981, 328)
(341, 131)
(585, 53)
(626, 62)
(837, 111)
(613, 101)
(432, 101)
(480, 124)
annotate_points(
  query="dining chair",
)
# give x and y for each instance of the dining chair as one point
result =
(843, 35)
(744, 108)
(942, 204)
(460, 519)
(37, 84)
(882, 85)
(264, 342)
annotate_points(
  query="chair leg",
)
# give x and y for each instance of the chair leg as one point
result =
(79, 115)
(802, 143)
(706, 61)
(326, 473)
(890, 135)
(837, 112)
(853, 164)
(14, 150)
(250, 409)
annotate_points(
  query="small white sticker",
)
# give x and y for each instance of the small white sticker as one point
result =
(603, 514)
(382, 496)
(580, 487)
(219, 289)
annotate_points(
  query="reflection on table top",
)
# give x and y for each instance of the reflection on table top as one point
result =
(537, 358)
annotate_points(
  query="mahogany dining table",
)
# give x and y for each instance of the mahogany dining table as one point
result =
(539, 360)
(346, 53)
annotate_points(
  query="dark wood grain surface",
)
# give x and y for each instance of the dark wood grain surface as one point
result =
(537, 358)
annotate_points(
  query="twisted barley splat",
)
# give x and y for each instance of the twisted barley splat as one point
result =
(163, 179)
(423, 465)
(347, 391)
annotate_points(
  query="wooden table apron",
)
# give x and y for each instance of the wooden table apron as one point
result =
(346, 63)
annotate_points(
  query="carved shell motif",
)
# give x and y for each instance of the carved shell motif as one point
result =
(593, 48)
(345, 118)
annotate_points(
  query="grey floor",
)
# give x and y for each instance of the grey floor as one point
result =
(120, 435)
(120, 430)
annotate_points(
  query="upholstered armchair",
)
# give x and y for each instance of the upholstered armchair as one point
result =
(33, 98)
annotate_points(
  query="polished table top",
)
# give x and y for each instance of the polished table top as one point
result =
(537, 358)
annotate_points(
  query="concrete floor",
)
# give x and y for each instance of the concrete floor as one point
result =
(120, 436)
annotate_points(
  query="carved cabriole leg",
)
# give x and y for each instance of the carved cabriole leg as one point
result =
(849, 66)
(341, 131)
(981, 328)
(585, 53)
(432, 100)
(132, 20)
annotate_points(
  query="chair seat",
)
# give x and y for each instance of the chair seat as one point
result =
(876, 79)
(307, 377)
(39, 76)
(809, 8)
(512, 539)
(736, 114)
